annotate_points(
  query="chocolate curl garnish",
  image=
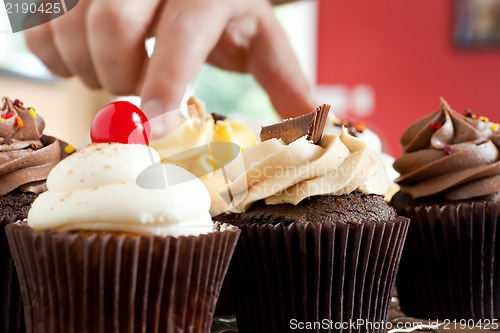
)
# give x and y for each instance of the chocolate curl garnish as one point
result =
(311, 125)
(218, 117)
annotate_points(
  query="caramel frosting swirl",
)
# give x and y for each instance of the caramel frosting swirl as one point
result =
(26, 155)
(289, 173)
(450, 155)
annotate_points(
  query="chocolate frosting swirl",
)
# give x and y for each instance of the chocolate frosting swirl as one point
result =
(26, 155)
(450, 155)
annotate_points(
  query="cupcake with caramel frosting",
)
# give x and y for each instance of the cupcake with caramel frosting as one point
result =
(318, 242)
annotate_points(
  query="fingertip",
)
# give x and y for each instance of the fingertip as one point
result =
(161, 119)
(152, 108)
(181, 49)
(293, 106)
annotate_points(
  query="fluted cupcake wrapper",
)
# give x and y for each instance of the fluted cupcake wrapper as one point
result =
(118, 283)
(334, 273)
(448, 269)
(11, 314)
(226, 301)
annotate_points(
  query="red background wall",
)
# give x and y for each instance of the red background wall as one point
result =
(404, 50)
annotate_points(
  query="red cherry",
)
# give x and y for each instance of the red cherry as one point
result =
(121, 122)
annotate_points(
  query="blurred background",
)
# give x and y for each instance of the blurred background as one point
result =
(384, 63)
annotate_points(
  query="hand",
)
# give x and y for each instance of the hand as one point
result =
(102, 42)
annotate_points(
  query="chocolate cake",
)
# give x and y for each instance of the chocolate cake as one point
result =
(26, 158)
(450, 189)
(402, 200)
(16, 204)
(351, 208)
(316, 244)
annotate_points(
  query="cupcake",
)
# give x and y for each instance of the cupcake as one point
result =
(115, 246)
(202, 144)
(319, 247)
(450, 189)
(26, 157)
(359, 130)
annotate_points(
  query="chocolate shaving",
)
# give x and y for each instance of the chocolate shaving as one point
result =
(311, 125)
(33, 146)
(218, 117)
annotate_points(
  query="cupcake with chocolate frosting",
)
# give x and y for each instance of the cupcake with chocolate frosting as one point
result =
(450, 189)
(318, 242)
(26, 158)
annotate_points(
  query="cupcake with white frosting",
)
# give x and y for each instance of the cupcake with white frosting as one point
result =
(112, 246)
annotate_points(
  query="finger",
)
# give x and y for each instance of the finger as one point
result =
(275, 66)
(231, 51)
(70, 37)
(41, 42)
(117, 30)
(187, 32)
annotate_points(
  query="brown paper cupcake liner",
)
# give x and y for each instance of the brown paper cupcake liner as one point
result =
(316, 273)
(71, 282)
(226, 301)
(448, 268)
(11, 313)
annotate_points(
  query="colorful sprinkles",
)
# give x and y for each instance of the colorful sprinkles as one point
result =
(352, 128)
(448, 150)
(69, 149)
(17, 103)
(7, 115)
(468, 113)
(19, 122)
(360, 127)
(32, 113)
(435, 126)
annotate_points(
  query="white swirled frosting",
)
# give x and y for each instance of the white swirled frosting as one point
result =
(95, 189)
(281, 173)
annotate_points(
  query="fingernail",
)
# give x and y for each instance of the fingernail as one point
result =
(153, 108)
(162, 122)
